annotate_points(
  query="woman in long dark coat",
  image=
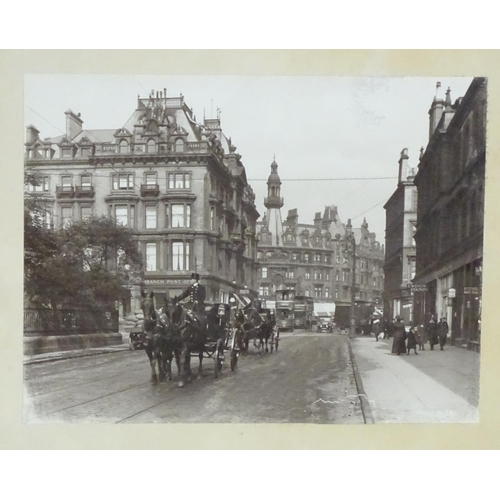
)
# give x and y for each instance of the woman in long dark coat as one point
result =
(399, 342)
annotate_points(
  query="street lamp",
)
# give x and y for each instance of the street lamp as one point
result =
(349, 249)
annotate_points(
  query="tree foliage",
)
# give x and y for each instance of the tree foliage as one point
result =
(86, 264)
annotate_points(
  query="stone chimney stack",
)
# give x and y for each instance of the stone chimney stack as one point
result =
(32, 134)
(73, 124)
(317, 219)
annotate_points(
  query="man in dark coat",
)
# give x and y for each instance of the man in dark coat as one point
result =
(399, 342)
(442, 332)
(432, 332)
(196, 294)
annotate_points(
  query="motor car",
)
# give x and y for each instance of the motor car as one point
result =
(136, 340)
(324, 325)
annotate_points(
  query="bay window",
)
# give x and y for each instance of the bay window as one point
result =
(151, 261)
(151, 217)
(178, 215)
(180, 255)
(124, 215)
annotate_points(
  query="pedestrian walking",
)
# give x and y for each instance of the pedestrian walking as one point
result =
(432, 332)
(420, 335)
(442, 332)
(411, 342)
(399, 342)
(376, 329)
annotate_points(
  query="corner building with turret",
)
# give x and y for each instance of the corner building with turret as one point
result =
(178, 184)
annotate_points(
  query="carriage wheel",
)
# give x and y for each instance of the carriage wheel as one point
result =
(217, 364)
(217, 360)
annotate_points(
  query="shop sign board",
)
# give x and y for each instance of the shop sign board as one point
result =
(167, 282)
(452, 293)
(472, 290)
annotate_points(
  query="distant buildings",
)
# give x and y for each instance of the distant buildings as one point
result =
(400, 249)
(178, 184)
(309, 257)
(450, 217)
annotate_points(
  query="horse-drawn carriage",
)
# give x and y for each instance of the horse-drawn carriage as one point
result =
(175, 331)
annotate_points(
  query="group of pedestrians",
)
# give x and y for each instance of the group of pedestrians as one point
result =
(418, 335)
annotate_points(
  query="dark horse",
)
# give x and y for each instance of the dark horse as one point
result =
(169, 342)
(191, 331)
(151, 337)
(250, 324)
(265, 333)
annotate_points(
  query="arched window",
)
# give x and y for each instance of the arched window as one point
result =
(123, 147)
(179, 146)
(151, 146)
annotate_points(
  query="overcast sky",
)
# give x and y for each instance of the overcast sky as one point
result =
(318, 128)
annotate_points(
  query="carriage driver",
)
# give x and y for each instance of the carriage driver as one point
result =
(196, 294)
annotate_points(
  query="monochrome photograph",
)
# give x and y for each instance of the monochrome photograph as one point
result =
(253, 249)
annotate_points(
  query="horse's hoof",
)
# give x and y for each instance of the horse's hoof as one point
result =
(154, 380)
(181, 384)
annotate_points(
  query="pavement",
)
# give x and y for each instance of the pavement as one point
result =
(77, 353)
(432, 387)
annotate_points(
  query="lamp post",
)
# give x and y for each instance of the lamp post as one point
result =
(349, 249)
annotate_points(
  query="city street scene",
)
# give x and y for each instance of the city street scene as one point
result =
(253, 249)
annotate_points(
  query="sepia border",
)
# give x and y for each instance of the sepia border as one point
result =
(16, 435)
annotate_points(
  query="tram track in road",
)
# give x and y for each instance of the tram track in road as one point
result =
(286, 386)
(83, 371)
(89, 401)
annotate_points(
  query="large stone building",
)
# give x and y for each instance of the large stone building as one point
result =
(179, 184)
(400, 249)
(449, 237)
(310, 258)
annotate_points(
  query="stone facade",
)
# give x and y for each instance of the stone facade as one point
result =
(400, 248)
(179, 184)
(310, 258)
(449, 237)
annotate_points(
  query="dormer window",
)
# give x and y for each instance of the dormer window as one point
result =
(37, 152)
(123, 147)
(179, 146)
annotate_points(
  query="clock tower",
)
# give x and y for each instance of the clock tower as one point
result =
(273, 203)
